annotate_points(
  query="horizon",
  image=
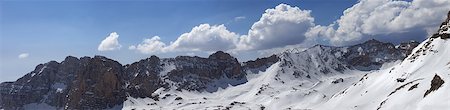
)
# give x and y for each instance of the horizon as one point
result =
(33, 32)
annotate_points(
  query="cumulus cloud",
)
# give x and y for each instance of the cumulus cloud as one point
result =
(201, 38)
(148, 46)
(288, 26)
(110, 43)
(206, 38)
(23, 55)
(280, 26)
(383, 18)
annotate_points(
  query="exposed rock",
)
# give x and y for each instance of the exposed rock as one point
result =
(206, 74)
(401, 79)
(413, 87)
(339, 80)
(444, 30)
(372, 54)
(260, 64)
(97, 85)
(143, 77)
(74, 83)
(407, 47)
(436, 83)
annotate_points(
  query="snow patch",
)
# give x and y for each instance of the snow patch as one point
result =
(42, 69)
(59, 87)
(167, 68)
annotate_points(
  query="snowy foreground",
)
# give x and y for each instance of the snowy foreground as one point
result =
(420, 82)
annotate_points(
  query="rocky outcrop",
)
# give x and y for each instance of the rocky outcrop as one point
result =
(97, 85)
(143, 77)
(372, 54)
(436, 83)
(407, 47)
(206, 74)
(101, 83)
(260, 64)
(72, 84)
(444, 30)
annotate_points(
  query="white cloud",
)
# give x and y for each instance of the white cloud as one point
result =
(239, 18)
(201, 38)
(206, 38)
(110, 43)
(23, 55)
(149, 46)
(278, 27)
(385, 18)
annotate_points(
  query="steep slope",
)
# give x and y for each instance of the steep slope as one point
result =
(419, 82)
(369, 55)
(74, 83)
(297, 80)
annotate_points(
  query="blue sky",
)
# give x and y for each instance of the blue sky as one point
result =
(52, 30)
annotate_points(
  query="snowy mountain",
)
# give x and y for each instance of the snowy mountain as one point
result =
(324, 77)
(103, 83)
(418, 82)
(370, 75)
(298, 79)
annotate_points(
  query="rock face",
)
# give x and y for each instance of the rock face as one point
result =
(372, 54)
(97, 85)
(143, 77)
(407, 47)
(195, 73)
(444, 30)
(72, 84)
(260, 64)
(100, 83)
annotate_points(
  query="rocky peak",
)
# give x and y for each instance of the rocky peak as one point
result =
(444, 30)
(373, 41)
(71, 59)
(371, 54)
(142, 77)
(220, 55)
(206, 74)
(154, 58)
(260, 64)
(407, 47)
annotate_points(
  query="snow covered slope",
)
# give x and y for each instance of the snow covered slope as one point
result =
(419, 82)
(299, 80)
(271, 89)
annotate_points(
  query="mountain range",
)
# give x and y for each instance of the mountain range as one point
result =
(370, 75)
